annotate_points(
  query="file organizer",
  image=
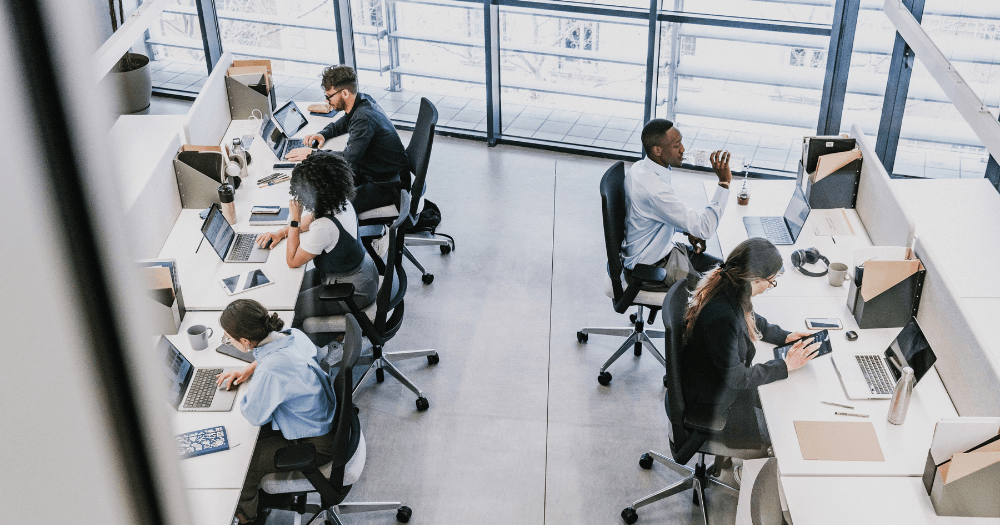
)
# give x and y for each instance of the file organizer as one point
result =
(199, 170)
(244, 99)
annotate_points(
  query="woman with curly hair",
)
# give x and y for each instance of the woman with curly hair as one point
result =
(323, 185)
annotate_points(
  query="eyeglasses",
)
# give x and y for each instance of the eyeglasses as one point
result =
(772, 283)
(328, 97)
(226, 340)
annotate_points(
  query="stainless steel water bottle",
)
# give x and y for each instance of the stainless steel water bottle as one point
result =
(901, 397)
(226, 197)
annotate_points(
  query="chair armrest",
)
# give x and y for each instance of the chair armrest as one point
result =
(336, 292)
(647, 273)
(372, 230)
(704, 420)
(295, 457)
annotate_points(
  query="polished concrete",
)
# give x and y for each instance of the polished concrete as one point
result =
(519, 431)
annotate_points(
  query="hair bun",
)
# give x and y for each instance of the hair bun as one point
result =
(274, 323)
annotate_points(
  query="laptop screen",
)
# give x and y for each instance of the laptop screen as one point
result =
(290, 119)
(218, 231)
(912, 347)
(177, 369)
(273, 136)
(796, 213)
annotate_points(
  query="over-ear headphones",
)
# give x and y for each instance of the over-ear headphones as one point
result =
(809, 256)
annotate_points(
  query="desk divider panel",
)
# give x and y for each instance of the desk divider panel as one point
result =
(152, 214)
(970, 375)
(209, 116)
(878, 208)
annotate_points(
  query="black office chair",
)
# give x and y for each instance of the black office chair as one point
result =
(613, 207)
(691, 430)
(388, 315)
(302, 470)
(418, 155)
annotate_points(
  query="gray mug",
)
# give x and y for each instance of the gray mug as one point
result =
(838, 274)
(198, 335)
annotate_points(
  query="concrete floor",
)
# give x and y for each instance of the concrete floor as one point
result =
(519, 430)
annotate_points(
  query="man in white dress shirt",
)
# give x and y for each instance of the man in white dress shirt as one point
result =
(655, 213)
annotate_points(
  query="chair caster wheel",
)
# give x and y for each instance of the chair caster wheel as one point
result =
(446, 249)
(427, 278)
(433, 359)
(630, 516)
(582, 337)
(604, 378)
(638, 349)
(379, 375)
(646, 461)
(632, 318)
(665, 381)
(403, 514)
(423, 404)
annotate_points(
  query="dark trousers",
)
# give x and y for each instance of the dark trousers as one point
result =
(700, 262)
(745, 426)
(262, 463)
(372, 195)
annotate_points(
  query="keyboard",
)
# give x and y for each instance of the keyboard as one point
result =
(873, 368)
(294, 143)
(243, 247)
(203, 388)
(775, 229)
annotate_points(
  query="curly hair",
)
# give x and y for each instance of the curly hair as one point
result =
(340, 77)
(323, 183)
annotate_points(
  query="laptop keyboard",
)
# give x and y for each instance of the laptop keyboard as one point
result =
(873, 368)
(203, 388)
(243, 247)
(294, 143)
(775, 229)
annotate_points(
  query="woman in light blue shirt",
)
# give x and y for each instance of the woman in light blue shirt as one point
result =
(290, 397)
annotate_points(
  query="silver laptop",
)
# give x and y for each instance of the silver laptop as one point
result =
(781, 230)
(874, 376)
(193, 389)
(276, 130)
(231, 246)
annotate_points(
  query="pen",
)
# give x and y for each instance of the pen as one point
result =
(837, 405)
(850, 414)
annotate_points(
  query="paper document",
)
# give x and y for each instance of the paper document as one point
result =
(838, 441)
(884, 253)
(830, 222)
(832, 162)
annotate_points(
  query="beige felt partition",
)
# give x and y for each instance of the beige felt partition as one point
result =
(878, 207)
(209, 117)
(967, 363)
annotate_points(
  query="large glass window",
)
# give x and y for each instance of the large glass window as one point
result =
(869, 71)
(407, 50)
(175, 49)
(754, 93)
(572, 79)
(812, 11)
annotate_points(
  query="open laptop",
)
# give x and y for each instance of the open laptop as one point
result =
(231, 246)
(275, 134)
(781, 230)
(874, 376)
(193, 389)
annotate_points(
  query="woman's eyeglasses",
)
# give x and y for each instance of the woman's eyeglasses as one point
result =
(772, 283)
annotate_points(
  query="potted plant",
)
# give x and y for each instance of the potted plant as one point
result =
(131, 76)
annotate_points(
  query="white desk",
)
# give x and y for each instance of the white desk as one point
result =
(959, 218)
(201, 272)
(863, 501)
(798, 397)
(770, 198)
(213, 481)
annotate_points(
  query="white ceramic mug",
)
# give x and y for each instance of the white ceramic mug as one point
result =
(198, 335)
(838, 274)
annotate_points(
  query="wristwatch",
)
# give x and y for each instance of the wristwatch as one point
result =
(294, 224)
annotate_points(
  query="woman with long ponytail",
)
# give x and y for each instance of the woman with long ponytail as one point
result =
(290, 397)
(719, 332)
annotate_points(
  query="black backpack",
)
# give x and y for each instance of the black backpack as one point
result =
(428, 221)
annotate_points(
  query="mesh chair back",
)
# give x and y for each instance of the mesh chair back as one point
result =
(343, 387)
(393, 288)
(418, 151)
(674, 308)
(613, 209)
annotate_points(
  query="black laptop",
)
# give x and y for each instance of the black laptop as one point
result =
(286, 122)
